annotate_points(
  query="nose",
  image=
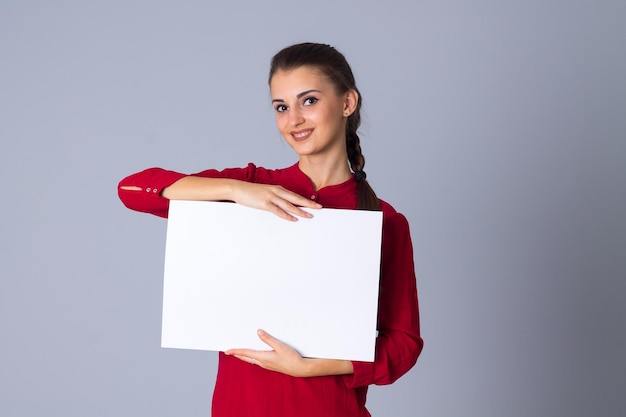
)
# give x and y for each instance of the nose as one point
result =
(295, 117)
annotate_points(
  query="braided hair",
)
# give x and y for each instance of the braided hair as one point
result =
(334, 65)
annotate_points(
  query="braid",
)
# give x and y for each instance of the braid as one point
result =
(353, 143)
(366, 197)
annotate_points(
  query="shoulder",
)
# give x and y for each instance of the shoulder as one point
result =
(396, 237)
(262, 172)
(387, 208)
(250, 172)
(389, 212)
(393, 219)
(288, 177)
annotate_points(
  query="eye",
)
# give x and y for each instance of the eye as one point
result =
(281, 108)
(309, 101)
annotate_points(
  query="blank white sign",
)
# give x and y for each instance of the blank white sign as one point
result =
(230, 270)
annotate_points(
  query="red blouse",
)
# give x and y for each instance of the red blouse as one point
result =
(242, 389)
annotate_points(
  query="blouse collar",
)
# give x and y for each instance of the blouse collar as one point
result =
(342, 195)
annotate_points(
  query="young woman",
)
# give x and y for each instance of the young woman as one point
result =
(317, 107)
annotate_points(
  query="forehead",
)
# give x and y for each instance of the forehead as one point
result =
(293, 82)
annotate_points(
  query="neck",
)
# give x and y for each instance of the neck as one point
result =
(324, 171)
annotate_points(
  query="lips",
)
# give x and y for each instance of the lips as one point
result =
(301, 135)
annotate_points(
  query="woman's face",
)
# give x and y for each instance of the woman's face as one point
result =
(310, 114)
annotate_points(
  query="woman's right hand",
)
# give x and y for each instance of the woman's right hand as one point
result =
(273, 198)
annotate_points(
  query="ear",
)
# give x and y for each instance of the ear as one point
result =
(351, 99)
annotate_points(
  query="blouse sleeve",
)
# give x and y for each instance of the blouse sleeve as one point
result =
(399, 342)
(142, 191)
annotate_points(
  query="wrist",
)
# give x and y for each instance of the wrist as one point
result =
(308, 368)
(324, 367)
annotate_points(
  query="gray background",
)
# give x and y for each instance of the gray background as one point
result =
(497, 127)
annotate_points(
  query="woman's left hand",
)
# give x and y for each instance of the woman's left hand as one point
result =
(283, 358)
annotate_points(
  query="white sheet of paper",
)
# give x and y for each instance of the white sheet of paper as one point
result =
(230, 270)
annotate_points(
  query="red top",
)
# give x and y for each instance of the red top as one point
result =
(242, 389)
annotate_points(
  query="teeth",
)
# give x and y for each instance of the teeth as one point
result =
(301, 135)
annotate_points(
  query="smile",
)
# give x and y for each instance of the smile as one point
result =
(301, 135)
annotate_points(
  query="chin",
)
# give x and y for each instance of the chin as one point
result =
(301, 149)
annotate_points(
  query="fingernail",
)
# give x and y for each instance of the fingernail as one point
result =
(260, 332)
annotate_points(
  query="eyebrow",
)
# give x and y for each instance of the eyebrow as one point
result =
(304, 93)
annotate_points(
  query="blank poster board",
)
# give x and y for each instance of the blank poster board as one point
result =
(230, 270)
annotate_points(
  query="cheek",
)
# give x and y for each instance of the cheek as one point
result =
(279, 121)
(282, 123)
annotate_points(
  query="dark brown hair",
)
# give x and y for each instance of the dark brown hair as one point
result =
(333, 64)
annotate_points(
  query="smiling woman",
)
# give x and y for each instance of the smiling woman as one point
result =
(318, 113)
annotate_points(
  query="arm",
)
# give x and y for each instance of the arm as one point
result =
(399, 342)
(142, 191)
(150, 190)
(283, 358)
(273, 198)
